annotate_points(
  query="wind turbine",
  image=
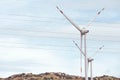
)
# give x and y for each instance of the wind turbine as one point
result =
(83, 33)
(90, 59)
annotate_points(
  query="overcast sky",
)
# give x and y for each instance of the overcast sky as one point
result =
(36, 38)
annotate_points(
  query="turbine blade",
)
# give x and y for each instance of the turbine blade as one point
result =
(101, 47)
(101, 11)
(75, 25)
(98, 50)
(98, 13)
(78, 47)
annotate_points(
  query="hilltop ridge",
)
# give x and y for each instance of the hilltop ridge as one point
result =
(53, 76)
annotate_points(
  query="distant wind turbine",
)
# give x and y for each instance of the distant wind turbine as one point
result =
(90, 59)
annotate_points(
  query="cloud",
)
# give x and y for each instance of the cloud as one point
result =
(100, 62)
(18, 58)
(13, 58)
(29, 45)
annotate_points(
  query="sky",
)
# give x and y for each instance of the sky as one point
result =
(36, 38)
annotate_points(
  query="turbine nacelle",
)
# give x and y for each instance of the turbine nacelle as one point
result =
(84, 31)
(90, 59)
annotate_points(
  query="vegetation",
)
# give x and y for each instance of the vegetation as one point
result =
(53, 76)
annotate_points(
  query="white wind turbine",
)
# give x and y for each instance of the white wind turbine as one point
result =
(90, 59)
(83, 33)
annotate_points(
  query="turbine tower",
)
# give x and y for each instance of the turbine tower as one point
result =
(90, 62)
(83, 33)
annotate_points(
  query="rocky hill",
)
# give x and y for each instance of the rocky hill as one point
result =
(53, 76)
